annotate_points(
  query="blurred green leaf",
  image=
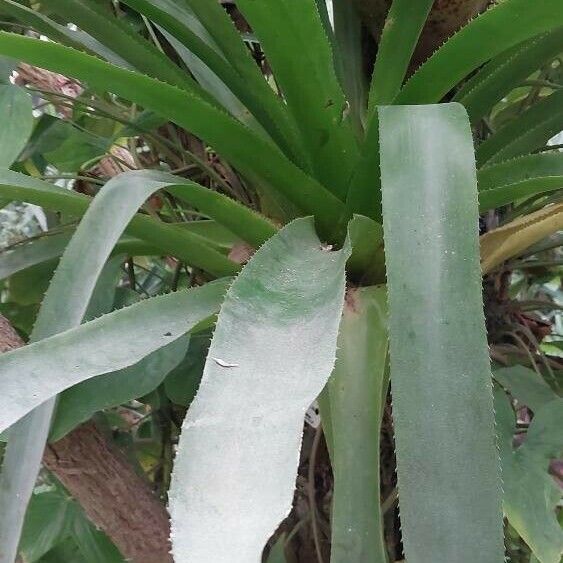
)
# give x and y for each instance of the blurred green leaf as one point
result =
(17, 122)
(530, 492)
(526, 386)
(182, 382)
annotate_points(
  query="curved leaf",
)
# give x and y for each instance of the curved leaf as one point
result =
(107, 344)
(511, 239)
(123, 40)
(240, 220)
(499, 28)
(181, 22)
(236, 465)
(63, 308)
(73, 37)
(507, 71)
(178, 242)
(529, 131)
(227, 40)
(521, 177)
(78, 403)
(258, 159)
(440, 373)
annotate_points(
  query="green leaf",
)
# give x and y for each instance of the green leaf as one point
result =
(81, 401)
(530, 492)
(440, 373)
(525, 385)
(529, 131)
(255, 157)
(278, 322)
(17, 122)
(203, 56)
(401, 31)
(123, 40)
(16, 484)
(55, 518)
(105, 345)
(28, 286)
(47, 523)
(277, 553)
(356, 394)
(211, 83)
(367, 263)
(182, 382)
(35, 251)
(178, 242)
(65, 146)
(507, 71)
(303, 66)
(63, 34)
(214, 26)
(242, 221)
(346, 42)
(364, 192)
(518, 178)
(63, 308)
(501, 27)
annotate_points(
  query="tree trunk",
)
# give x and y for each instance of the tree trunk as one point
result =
(98, 476)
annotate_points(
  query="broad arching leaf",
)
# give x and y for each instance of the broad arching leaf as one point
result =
(178, 242)
(63, 308)
(448, 474)
(272, 351)
(107, 344)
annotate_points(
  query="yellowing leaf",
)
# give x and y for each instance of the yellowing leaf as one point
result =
(509, 240)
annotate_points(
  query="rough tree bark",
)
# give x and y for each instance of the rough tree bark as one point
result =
(99, 477)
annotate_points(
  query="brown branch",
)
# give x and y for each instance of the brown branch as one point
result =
(99, 477)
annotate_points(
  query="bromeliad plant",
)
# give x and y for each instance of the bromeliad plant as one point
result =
(331, 165)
